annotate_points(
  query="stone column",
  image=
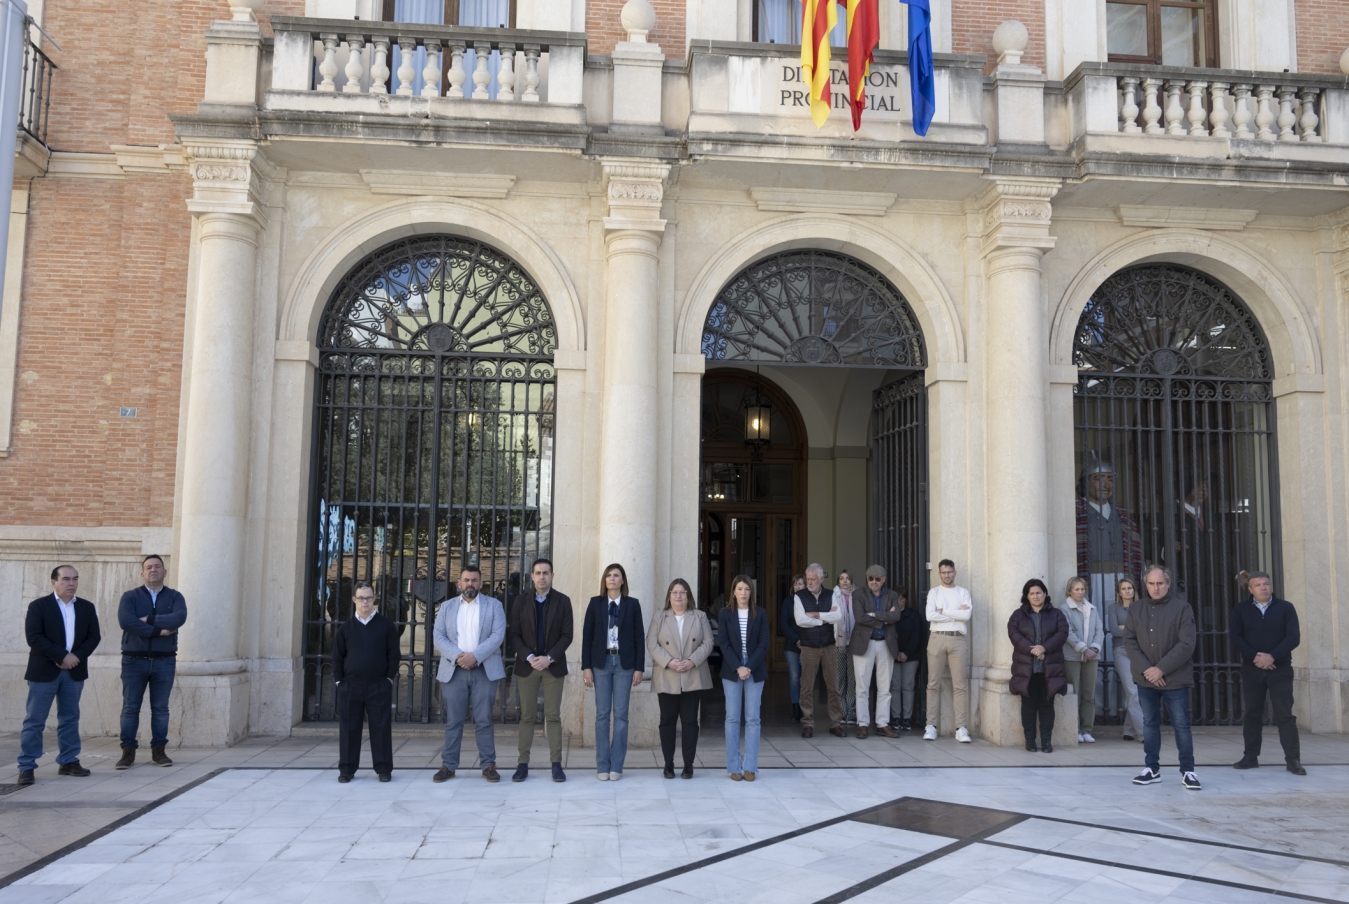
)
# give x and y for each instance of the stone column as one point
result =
(209, 560)
(1016, 236)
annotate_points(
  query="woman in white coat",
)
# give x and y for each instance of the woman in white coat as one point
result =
(679, 642)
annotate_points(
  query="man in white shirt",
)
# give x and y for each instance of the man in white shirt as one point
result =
(948, 614)
(816, 613)
(469, 632)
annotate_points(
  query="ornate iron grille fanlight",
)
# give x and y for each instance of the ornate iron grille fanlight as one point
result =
(1169, 320)
(813, 307)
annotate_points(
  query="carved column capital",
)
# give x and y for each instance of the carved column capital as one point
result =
(1016, 215)
(634, 191)
(226, 177)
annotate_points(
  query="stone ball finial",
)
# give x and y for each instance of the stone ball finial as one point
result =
(1010, 40)
(1344, 62)
(638, 18)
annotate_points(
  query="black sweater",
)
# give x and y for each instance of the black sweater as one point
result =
(1276, 632)
(364, 654)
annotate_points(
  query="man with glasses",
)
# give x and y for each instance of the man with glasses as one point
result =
(949, 608)
(874, 646)
(365, 666)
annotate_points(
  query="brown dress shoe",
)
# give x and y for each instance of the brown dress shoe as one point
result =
(861, 732)
(836, 731)
(736, 776)
(749, 776)
(158, 757)
(887, 731)
(128, 758)
(807, 732)
(491, 774)
(443, 774)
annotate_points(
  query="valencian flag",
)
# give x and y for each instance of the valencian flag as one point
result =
(818, 18)
(864, 34)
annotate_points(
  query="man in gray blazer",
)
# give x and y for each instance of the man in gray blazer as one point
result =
(469, 631)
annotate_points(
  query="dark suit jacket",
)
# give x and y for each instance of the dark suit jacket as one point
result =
(523, 634)
(728, 638)
(631, 637)
(46, 632)
(168, 611)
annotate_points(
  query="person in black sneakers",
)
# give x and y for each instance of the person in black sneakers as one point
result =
(1265, 630)
(365, 667)
(540, 633)
(150, 616)
(1160, 636)
(62, 630)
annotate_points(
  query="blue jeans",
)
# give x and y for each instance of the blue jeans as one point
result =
(137, 673)
(66, 692)
(742, 696)
(469, 692)
(793, 674)
(613, 690)
(1177, 701)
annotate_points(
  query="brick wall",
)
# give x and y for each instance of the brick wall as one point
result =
(973, 23)
(605, 28)
(1322, 34)
(105, 273)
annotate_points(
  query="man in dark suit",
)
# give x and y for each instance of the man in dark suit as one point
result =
(365, 667)
(1265, 630)
(540, 633)
(150, 616)
(62, 631)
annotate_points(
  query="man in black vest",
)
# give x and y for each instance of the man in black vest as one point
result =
(62, 630)
(150, 616)
(816, 613)
(1265, 630)
(365, 667)
(540, 633)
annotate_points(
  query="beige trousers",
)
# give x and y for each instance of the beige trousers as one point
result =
(953, 650)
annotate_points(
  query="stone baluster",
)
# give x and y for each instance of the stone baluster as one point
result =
(506, 76)
(431, 74)
(1241, 116)
(1264, 112)
(1197, 115)
(379, 66)
(407, 73)
(531, 95)
(456, 73)
(1286, 118)
(1129, 105)
(481, 77)
(1308, 122)
(1152, 111)
(328, 68)
(1175, 113)
(1218, 111)
(355, 69)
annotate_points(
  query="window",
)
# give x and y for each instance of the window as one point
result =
(1169, 32)
(477, 13)
(779, 22)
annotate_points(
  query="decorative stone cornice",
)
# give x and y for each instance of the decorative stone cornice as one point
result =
(1016, 214)
(635, 190)
(227, 177)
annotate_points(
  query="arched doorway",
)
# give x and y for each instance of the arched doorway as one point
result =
(824, 311)
(433, 447)
(1176, 456)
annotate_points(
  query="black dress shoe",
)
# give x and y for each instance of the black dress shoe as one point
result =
(72, 768)
(668, 772)
(558, 774)
(796, 712)
(1047, 748)
(1246, 762)
(521, 773)
(1295, 767)
(343, 778)
(385, 777)
(26, 777)
(687, 773)
(1030, 745)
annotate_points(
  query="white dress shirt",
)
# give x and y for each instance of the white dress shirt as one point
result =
(679, 622)
(68, 617)
(613, 630)
(365, 621)
(469, 624)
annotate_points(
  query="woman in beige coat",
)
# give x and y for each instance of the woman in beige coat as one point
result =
(679, 641)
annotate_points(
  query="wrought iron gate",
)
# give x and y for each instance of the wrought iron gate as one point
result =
(1175, 446)
(433, 448)
(899, 497)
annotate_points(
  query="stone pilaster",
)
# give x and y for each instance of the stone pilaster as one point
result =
(210, 558)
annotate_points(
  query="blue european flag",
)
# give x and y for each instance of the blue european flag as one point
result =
(922, 82)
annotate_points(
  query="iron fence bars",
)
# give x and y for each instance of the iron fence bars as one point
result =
(35, 95)
(1175, 446)
(813, 307)
(433, 448)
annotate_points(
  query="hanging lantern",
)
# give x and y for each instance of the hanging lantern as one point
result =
(758, 422)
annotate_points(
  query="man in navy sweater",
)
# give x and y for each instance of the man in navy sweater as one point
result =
(1265, 630)
(365, 667)
(150, 616)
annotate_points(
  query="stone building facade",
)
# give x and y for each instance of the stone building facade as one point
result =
(226, 272)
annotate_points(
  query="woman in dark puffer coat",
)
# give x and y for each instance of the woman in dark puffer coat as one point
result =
(1038, 632)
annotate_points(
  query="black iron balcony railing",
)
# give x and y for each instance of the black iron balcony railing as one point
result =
(35, 93)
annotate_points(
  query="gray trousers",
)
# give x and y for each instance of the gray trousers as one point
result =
(468, 690)
(901, 689)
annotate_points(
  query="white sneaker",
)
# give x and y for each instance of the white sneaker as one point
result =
(1081, 739)
(963, 736)
(602, 776)
(930, 733)
(1087, 738)
(615, 776)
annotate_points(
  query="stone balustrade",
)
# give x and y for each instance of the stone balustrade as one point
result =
(343, 57)
(1209, 103)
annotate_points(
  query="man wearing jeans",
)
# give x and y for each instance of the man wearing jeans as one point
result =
(1265, 629)
(150, 616)
(1160, 637)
